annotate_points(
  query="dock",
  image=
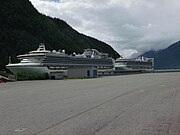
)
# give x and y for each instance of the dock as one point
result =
(140, 104)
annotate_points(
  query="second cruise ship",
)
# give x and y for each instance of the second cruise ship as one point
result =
(139, 64)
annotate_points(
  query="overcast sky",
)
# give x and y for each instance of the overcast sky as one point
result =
(129, 26)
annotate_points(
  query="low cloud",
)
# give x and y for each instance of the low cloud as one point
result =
(129, 26)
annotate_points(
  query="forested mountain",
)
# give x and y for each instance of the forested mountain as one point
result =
(168, 58)
(22, 28)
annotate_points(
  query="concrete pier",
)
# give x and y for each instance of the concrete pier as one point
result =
(142, 104)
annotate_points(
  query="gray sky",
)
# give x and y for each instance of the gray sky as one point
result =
(129, 26)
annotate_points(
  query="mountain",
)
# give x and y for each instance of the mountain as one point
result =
(168, 58)
(23, 28)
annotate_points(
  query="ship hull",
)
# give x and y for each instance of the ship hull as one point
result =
(128, 69)
(28, 71)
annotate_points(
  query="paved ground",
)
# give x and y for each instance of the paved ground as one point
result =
(146, 104)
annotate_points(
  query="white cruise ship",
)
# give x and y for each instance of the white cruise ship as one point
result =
(139, 64)
(44, 61)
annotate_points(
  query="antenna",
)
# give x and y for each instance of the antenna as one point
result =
(9, 59)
